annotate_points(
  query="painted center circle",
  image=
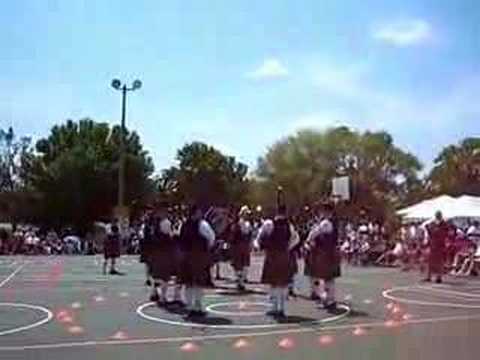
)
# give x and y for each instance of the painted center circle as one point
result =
(146, 311)
(239, 308)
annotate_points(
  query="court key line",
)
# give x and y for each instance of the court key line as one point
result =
(146, 341)
(9, 277)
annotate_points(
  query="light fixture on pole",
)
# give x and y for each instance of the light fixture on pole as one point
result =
(117, 85)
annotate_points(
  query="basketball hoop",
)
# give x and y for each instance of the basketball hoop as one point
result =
(341, 188)
(336, 198)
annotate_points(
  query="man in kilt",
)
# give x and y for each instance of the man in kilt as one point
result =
(277, 237)
(324, 255)
(241, 239)
(162, 258)
(196, 240)
(111, 249)
(146, 239)
(437, 232)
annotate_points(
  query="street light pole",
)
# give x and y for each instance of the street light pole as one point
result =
(117, 85)
(121, 167)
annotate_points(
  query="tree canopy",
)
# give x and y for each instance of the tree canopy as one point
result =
(15, 155)
(456, 169)
(305, 163)
(204, 175)
(76, 171)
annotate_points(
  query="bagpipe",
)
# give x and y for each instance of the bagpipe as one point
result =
(221, 221)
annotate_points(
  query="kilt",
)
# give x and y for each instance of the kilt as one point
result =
(436, 260)
(144, 249)
(276, 269)
(240, 254)
(194, 269)
(162, 263)
(325, 264)
(111, 248)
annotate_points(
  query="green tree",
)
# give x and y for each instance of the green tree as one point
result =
(76, 171)
(456, 169)
(304, 164)
(15, 157)
(204, 175)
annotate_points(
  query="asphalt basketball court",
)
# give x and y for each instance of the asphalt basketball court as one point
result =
(64, 308)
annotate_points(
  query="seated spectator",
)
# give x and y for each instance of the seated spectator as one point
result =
(464, 262)
(346, 250)
(363, 252)
(392, 255)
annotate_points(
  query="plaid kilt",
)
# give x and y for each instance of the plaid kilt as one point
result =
(325, 264)
(162, 263)
(194, 269)
(276, 268)
(436, 260)
(240, 255)
(111, 248)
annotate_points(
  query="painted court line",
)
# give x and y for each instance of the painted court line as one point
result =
(212, 308)
(445, 291)
(146, 341)
(446, 295)
(9, 277)
(40, 322)
(141, 313)
(388, 295)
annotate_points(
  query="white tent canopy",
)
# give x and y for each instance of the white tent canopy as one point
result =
(451, 207)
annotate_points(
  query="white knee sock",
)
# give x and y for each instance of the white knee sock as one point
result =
(239, 277)
(330, 291)
(197, 298)
(282, 297)
(163, 290)
(177, 293)
(275, 303)
(189, 297)
(245, 274)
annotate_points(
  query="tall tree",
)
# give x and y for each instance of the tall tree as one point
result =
(15, 156)
(76, 171)
(305, 163)
(204, 175)
(456, 169)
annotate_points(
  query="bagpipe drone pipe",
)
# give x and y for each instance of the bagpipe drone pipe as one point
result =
(221, 222)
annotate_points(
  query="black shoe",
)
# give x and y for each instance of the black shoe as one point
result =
(154, 297)
(281, 315)
(148, 282)
(196, 314)
(115, 272)
(272, 313)
(438, 281)
(292, 293)
(314, 297)
(190, 314)
(161, 303)
(201, 313)
(177, 303)
(241, 287)
(331, 306)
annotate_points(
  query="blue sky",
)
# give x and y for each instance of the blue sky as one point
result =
(241, 74)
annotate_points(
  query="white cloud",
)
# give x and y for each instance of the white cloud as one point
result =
(320, 121)
(404, 33)
(270, 69)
